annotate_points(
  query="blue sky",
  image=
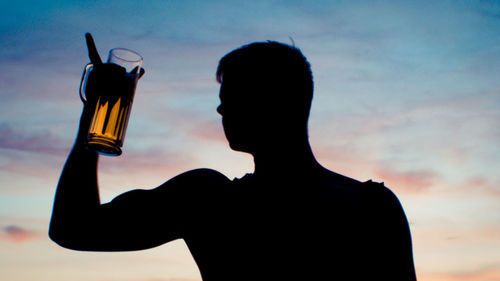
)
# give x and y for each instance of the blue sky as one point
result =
(406, 92)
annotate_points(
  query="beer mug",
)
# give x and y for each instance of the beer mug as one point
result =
(109, 89)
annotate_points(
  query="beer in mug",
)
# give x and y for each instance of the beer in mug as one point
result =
(109, 89)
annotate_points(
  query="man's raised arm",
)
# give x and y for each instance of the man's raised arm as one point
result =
(77, 213)
(77, 192)
(135, 220)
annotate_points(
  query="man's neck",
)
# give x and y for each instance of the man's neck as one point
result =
(286, 159)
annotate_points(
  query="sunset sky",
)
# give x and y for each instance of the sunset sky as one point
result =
(406, 93)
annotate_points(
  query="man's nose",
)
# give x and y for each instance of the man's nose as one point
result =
(219, 109)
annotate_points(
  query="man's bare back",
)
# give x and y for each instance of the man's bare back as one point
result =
(318, 226)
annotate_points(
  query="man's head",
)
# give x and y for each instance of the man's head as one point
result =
(266, 92)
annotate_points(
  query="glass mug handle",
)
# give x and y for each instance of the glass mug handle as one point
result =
(83, 82)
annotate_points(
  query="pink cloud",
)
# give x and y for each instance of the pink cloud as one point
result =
(146, 168)
(27, 165)
(473, 186)
(490, 232)
(174, 279)
(43, 142)
(353, 161)
(482, 185)
(208, 131)
(482, 274)
(17, 234)
(408, 181)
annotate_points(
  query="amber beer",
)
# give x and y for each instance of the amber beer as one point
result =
(110, 89)
(109, 122)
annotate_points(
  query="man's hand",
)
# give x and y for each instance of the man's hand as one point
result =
(95, 59)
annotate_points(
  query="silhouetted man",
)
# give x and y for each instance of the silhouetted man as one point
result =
(291, 219)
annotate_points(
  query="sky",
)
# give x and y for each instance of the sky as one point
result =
(406, 93)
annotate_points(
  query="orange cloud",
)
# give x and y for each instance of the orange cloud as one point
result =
(408, 181)
(483, 274)
(17, 234)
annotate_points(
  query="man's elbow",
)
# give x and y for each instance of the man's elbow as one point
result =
(65, 239)
(59, 238)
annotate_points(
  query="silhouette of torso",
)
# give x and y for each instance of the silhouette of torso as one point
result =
(278, 229)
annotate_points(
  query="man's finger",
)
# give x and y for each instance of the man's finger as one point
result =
(141, 72)
(93, 54)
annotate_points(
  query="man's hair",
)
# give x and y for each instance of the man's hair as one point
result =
(279, 74)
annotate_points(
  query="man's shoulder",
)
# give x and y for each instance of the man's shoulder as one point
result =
(375, 199)
(365, 190)
(377, 191)
(192, 182)
(202, 175)
(339, 182)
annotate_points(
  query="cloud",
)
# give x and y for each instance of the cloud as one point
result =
(153, 160)
(174, 279)
(208, 131)
(17, 234)
(470, 187)
(488, 186)
(18, 139)
(418, 181)
(477, 185)
(486, 273)
(30, 155)
(368, 159)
